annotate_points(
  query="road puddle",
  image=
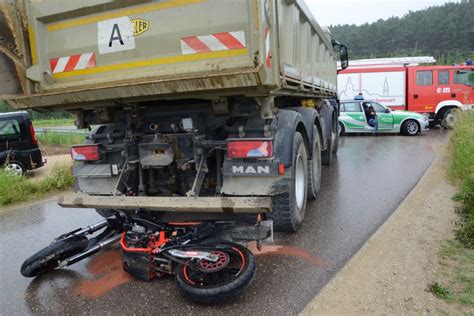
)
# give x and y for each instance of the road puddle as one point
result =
(285, 251)
(106, 268)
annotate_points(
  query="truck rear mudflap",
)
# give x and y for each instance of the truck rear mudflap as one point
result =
(170, 204)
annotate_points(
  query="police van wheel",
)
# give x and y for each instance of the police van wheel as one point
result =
(288, 209)
(15, 168)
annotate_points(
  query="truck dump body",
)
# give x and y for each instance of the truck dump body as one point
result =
(88, 54)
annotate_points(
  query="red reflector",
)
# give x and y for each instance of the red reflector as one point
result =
(33, 135)
(85, 153)
(250, 149)
(281, 169)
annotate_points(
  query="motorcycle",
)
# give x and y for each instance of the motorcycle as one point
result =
(208, 267)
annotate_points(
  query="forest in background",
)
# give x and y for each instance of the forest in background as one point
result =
(445, 32)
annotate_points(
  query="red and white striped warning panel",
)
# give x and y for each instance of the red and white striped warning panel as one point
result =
(213, 43)
(71, 63)
(268, 55)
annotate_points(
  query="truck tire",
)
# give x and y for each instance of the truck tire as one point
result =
(326, 155)
(48, 258)
(336, 140)
(105, 213)
(449, 118)
(198, 291)
(314, 167)
(288, 209)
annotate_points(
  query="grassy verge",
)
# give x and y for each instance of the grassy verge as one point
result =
(14, 189)
(63, 139)
(462, 173)
(457, 256)
(53, 122)
(457, 273)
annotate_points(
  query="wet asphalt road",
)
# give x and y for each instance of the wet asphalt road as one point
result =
(367, 181)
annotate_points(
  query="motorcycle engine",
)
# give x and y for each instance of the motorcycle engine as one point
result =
(136, 253)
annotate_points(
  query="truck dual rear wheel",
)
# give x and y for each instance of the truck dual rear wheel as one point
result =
(326, 156)
(289, 208)
(314, 167)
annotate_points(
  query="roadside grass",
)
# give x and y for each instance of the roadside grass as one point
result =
(63, 139)
(461, 172)
(440, 291)
(53, 122)
(457, 274)
(456, 257)
(15, 189)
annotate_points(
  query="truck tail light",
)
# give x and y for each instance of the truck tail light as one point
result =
(33, 134)
(85, 152)
(250, 149)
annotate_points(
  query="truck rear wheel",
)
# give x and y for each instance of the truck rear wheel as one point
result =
(314, 167)
(326, 155)
(289, 207)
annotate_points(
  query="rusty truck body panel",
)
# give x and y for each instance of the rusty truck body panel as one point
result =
(203, 109)
(68, 55)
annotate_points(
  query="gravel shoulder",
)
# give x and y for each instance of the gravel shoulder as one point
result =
(392, 272)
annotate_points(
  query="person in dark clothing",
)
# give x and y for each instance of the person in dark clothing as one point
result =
(359, 97)
(372, 118)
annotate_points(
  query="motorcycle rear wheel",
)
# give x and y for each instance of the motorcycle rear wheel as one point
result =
(223, 284)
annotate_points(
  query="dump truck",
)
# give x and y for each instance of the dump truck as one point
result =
(198, 109)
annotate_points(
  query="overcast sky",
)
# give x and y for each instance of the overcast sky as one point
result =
(358, 12)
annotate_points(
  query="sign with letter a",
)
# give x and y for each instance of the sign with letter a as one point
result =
(115, 35)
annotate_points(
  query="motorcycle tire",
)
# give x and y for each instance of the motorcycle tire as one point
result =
(194, 284)
(48, 258)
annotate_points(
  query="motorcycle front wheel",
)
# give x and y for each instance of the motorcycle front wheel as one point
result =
(48, 258)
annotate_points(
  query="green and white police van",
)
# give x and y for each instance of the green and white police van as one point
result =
(353, 119)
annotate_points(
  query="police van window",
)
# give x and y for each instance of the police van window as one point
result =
(9, 129)
(352, 107)
(465, 77)
(377, 107)
(424, 78)
(443, 77)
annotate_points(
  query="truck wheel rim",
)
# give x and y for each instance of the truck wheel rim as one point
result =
(299, 182)
(450, 120)
(412, 128)
(14, 168)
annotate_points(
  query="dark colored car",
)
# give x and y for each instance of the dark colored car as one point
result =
(19, 149)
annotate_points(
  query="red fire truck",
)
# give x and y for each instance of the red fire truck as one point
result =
(401, 84)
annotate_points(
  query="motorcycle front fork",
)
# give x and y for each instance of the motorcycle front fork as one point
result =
(110, 235)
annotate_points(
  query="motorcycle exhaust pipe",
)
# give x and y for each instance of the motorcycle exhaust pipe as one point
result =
(89, 252)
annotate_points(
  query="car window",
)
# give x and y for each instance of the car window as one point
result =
(378, 107)
(424, 78)
(465, 77)
(352, 107)
(9, 128)
(443, 77)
